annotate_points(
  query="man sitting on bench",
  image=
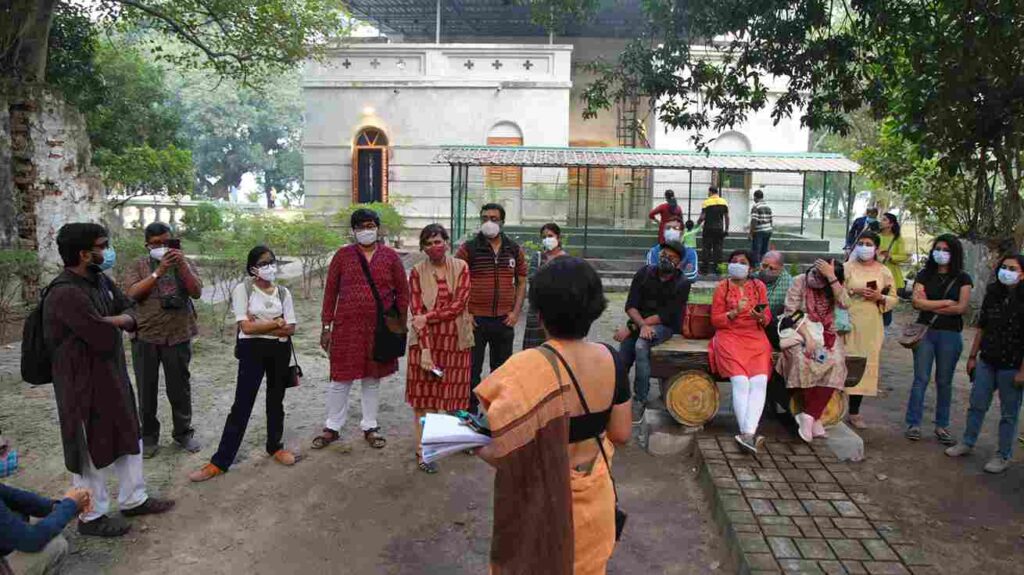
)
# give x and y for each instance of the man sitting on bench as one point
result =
(657, 298)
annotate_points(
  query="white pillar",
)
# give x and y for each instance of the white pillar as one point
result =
(437, 25)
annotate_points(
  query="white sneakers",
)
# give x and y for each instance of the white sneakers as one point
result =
(995, 465)
(959, 449)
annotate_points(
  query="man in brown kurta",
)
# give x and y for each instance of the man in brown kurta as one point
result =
(84, 314)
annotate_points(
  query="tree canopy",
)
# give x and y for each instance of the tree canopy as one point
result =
(949, 74)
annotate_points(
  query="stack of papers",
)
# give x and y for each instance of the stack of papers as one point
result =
(444, 435)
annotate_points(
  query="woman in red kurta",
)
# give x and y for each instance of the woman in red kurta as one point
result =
(349, 318)
(441, 341)
(740, 349)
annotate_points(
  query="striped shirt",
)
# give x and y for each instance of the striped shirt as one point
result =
(761, 217)
(493, 277)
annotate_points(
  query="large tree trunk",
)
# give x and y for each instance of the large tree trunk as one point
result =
(25, 30)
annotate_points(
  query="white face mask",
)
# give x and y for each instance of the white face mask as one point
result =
(942, 258)
(366, 237)
(158, 253)
(490, 229)
(738, 271)
(864, 253)
(550, 243)
(267, 273)
(1008, 277)
(672, 235)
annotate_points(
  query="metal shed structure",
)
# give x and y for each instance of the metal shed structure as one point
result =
(462, 158)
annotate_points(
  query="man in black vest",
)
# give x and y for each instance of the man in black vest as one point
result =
(497, 273)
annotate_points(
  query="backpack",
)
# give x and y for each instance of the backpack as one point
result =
(36, 355)
(281, 293)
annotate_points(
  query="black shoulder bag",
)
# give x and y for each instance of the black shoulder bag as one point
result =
(620, 515)
(390, 335)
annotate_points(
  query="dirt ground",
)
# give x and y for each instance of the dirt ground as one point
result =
(967, 520)
(347, 509)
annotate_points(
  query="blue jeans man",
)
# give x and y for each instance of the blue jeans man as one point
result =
(939, 349)
(987, 381)
(638, 350)
(759, 242)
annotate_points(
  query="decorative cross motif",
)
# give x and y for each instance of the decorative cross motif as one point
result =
(346, 64)
(401, 63)
(375, 63)
(468, 64)
(527, 64)
(497, 64)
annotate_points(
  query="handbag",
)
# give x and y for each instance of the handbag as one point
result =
(620, 515)
(294, 371)
(391, 332)
(697, 322)
(914, 332)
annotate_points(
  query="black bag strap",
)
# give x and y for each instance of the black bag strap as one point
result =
(586, 409)
(369, 280)
(945, 290)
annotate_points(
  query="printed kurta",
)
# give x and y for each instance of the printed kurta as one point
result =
(441, 337)
(866, 316)
(801, 371)
(350, 310)
(95, 399)
(739, 346)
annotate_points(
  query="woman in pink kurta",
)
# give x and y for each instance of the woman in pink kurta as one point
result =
(349, 318)
(740, 349)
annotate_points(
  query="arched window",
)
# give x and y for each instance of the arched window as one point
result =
(732, 179)
(504, 177)
(370, 166)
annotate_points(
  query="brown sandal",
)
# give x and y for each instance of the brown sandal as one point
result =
(326, 437)
(374, 438)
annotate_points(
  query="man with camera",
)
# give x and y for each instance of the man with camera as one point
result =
(163, 283)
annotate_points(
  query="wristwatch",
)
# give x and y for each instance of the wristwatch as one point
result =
(154, 276)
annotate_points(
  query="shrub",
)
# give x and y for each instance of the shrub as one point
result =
(205, 217)
(309, 239)
(391, 221)
(14, 266)
(130, 246)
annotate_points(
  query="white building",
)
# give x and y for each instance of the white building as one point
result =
(377, 111)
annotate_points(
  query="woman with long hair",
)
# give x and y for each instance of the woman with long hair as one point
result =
(872, 292)
(995, 363)
(942, 293)
(892, 253)
(265, 314)
(555, 412)
(740, 350)
(441, 338)
(816, 367)
(551, 248)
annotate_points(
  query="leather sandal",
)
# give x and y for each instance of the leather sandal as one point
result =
(374, 438)
(326, 437)
(152, 506)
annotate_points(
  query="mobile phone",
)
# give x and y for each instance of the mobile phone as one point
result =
(872, 285)
(174, 244)
(760, 307)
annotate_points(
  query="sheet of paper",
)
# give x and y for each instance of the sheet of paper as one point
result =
(443, 428)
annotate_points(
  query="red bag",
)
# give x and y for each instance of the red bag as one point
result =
(697, 321)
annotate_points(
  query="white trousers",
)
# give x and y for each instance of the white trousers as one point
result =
(337, 403)
(748, 397)
(131, 490)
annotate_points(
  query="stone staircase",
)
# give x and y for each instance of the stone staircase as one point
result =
(618, 253)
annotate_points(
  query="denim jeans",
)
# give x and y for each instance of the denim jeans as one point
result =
(941, 349)
(634, 349)
(759, 245)
(987, 380)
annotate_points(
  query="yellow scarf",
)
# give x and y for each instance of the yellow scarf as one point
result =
(428, 292)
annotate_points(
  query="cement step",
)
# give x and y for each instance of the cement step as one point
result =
(643, 240)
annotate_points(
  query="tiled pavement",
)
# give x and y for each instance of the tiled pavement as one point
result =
(797, 509)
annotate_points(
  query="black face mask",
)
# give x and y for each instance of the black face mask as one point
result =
(671, 201)
(666, 267)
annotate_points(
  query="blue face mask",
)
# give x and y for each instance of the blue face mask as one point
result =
(109, 259)
(1008, 277)
(8, 462)
(870, 220)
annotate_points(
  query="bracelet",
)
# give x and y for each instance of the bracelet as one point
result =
(154, 276)
(834, 281)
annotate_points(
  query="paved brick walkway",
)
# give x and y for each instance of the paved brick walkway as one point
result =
(797, 509)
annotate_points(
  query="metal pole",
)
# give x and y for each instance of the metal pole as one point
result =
(465, 195)
(586, 215)
(824, 193)
(451, 208)
(437, 25)
(577, 224)
(849, 200)
(689, 197)
(803, 203)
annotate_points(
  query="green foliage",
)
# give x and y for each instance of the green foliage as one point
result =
(144, 170)
(14, 266)
(201, 219)
(311, 240)
(391, 222)
(947, 72)
(130, 246)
